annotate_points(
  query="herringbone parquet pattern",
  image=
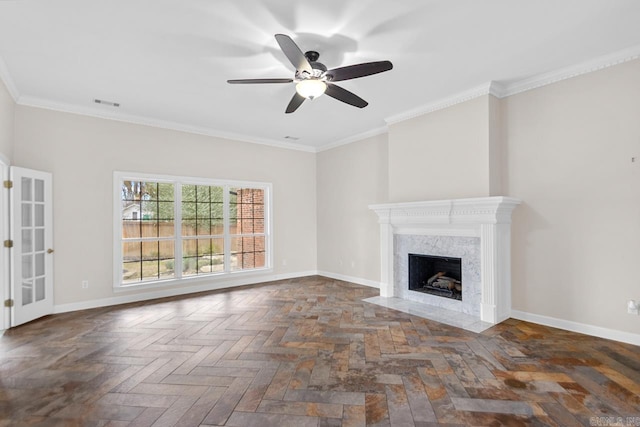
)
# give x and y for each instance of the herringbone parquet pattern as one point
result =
(305, 352)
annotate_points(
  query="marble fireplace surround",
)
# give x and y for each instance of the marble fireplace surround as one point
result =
(479, 227)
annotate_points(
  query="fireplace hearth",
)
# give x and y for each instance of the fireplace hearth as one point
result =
(436, 275)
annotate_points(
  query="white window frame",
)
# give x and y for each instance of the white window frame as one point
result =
(119, 177)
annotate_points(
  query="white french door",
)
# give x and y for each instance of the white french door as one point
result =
(31, 228)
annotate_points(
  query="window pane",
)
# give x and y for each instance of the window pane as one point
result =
(131, 272)
(39, 190)
(40, 264)
(27, 293)
(27, 240)
(39, 215)
(165, 210)
(260, 244)
(217, 210)
(131, 251)
(131, 210)
(149, 229)
(189, 266)
(204, 227)
(40, 289)
(189, 228)
(26, 215)
(167, 259)
(246, 226)
(138, 190)
(27, 266)
(216, 194)
(248, 260)
(260, 260)
(217, 246)
(150, 191)
(150, 270)
(150, 251)
(188, 193)
(203, 210)
(166, 228)
(217, 264)
(217, 227)
(165, 192)
(247, 252)
(149, 210)
(131, 229)
(167, 268)
(39, 244)
(248, 244)
(202, 193)
(166, 249)
(188, 210)
(258, 225)
(204, 247)
(189, 247)
(26, 190)
(258, 210)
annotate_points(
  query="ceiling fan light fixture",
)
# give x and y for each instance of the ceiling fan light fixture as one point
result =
(311, 88)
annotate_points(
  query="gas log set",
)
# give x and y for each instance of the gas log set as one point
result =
(441, 282)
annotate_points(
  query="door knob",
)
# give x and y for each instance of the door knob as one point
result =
(49, 251)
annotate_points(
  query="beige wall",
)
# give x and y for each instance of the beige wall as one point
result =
(349, 178)
(565, 149)
(576, 241)
(7, 109)
(441, 155)
(83, 152)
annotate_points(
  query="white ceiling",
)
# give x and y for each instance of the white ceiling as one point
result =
(167, 62)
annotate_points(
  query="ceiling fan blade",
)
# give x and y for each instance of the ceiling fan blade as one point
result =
(254, 81)
(358, 70)
(293, 53)
(345, 96)
(295, 102)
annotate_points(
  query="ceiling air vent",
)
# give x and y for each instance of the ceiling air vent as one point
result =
(109, 103)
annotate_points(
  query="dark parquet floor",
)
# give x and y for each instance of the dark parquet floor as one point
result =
(305, 352)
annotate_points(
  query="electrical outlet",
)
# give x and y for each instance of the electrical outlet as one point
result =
(85, 284)
(633, 307)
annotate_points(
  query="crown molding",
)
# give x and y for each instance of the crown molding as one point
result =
(29, 101)
(354, 138)
(459, 98)
(5, 76)
(543, 79)
(504, 89)
(495, 88)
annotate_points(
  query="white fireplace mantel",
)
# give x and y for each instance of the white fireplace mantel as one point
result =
(488, 218)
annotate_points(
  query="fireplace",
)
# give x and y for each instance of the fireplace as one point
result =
(477, 231)
(436, 275)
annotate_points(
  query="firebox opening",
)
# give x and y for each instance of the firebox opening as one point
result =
(436, 275)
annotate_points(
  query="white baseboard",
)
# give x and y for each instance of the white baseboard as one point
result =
(163, 293)
(356, 280)
(582, 328)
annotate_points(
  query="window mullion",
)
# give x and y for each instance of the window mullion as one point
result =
(177, 214)
(225, 224)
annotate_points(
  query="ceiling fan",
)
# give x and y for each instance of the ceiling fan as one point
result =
(313, 79)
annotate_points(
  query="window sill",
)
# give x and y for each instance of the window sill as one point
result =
(216, 278)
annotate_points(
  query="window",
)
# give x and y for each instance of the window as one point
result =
(175, 228)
